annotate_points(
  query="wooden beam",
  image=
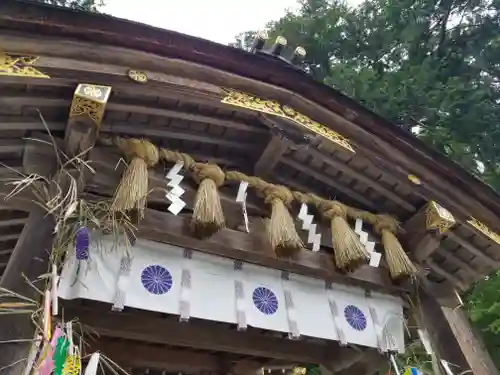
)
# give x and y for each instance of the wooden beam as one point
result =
(272, 154)
(420, 239)
(453, 338)
(155, 356)
(440, 271)
(452, 258)
(363, 178)
(85, 117)
(30, 259)
(171, 359)
(199, 335)
(357, 197)
(486, 259)
(131, 130)
(470, 342)
(162, 227)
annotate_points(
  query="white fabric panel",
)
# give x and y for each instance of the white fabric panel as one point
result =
(212, 288)
(155, 284)
(391, 320)
(354, 315)
(155, 277)
(314, 316)
(264, 290)
(94, 279)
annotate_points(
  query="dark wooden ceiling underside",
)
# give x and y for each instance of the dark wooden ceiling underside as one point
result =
(234, 139)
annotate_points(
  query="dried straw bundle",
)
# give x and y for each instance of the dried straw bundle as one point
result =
(208, 217)
(349, 252)
(400, 266)
(133, 188)
(282, 233)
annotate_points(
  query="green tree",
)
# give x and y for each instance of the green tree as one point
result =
(87, 5)
(431, 65)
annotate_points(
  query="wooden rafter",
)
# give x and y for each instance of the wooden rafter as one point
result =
(205, 336)
(272, 154)
(485, 258)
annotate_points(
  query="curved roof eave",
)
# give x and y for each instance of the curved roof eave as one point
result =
(25, 15)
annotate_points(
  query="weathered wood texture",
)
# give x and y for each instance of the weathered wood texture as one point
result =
(478, 359)
(199, 335)
(29, 259)
(454, 339)
(167, 228)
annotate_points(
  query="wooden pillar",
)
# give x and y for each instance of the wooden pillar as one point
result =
(30, 258)
(453, 338)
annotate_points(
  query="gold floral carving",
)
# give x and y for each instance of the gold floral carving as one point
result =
(299, 371)
(17, 65)
(438, 218)
(90, 100)
(137, 76)
(272, 107)
(484, 230)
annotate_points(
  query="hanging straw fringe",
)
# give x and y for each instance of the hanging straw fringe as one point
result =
(208, 217)
(400, 266)
(283, 235)
(349, 252)
(133, 188)
(282, 232)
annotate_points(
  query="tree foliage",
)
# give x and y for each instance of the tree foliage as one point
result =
(87, 5)
(431, 66)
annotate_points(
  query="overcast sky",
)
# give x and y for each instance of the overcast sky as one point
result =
(217, 20)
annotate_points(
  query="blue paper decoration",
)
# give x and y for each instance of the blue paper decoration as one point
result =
(265, 300)
(156, 279)
(82, 240)
(355, 317)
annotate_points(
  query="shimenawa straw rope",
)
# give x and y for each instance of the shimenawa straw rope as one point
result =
(208, 216)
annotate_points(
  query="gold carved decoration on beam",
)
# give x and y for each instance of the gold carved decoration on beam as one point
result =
(438, 218)
(484, 230)
(17, 65)
(272, 107)
(414, 179)
(137, 76)
(90, 100)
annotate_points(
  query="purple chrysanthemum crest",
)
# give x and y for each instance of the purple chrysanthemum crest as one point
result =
(82, 240)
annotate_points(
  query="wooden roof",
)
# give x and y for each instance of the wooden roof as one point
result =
(181, 106)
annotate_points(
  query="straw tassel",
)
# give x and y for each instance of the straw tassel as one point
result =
(349, 252)
(282, 233)
(208, 217)
(133, 188)
(400, 265)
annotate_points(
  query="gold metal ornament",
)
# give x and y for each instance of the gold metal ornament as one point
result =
(414, 179)
(272, 107)
(438, 218)
(90, 100)
(137, 76)
(18, 65)
(483, 228)
(299, 371)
